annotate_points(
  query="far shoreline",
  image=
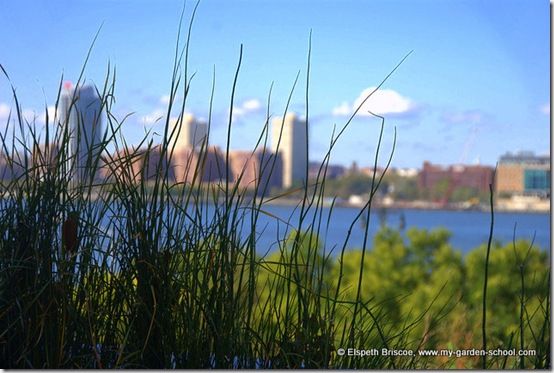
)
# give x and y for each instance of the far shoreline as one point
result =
(416, 205)
(499, 206)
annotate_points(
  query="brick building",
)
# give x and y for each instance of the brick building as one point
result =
(262, 169)
(206, 166)
(334, 171)
(475, 177)
(136, 165)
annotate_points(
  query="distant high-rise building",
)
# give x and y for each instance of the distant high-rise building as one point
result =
(81, 109)
(289, 139)
(192, 134)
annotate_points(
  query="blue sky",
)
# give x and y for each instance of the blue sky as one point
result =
(475, 86)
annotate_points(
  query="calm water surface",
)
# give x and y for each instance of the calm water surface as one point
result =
(469, 228)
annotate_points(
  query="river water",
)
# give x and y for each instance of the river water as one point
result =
(469, 229)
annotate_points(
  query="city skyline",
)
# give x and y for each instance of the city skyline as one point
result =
(474, 88)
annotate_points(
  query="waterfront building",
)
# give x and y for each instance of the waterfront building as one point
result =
(406, 172)
(44, 159)
(184, 162)
(131, 165)
(523, 173)
(81, 114)
(289, 140)
(334, 171)
(260, 169)
(212, 165)
(190, 165)
(354, 168)
(369, 171)
(474, 177)
(190, 132)
(11, 166)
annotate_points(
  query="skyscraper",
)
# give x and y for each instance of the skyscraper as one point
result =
(192, 134)
(81, 112)
(288, 138)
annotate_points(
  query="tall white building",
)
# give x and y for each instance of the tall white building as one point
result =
(192, 134)
(288, 138)
(81, 112)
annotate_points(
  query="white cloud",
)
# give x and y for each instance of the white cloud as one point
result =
(29, 115)
(238, 111)
(246, 107)
(51, 111)
(382, 102)
(164, 100)
(545, 109)
(4, 111)
(465, 117)
(343, 110)
(252, 105)
(51, 114)
(153, 117)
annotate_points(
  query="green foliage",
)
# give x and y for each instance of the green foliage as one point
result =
(427, 284)
(403, 188)
(358, 184)
(462, 194)
(466, 194)
(505, 287)
(440, 189)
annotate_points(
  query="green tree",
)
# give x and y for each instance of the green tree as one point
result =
(402, 188)
(350, 184)
(507, 265)
(440, 189)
